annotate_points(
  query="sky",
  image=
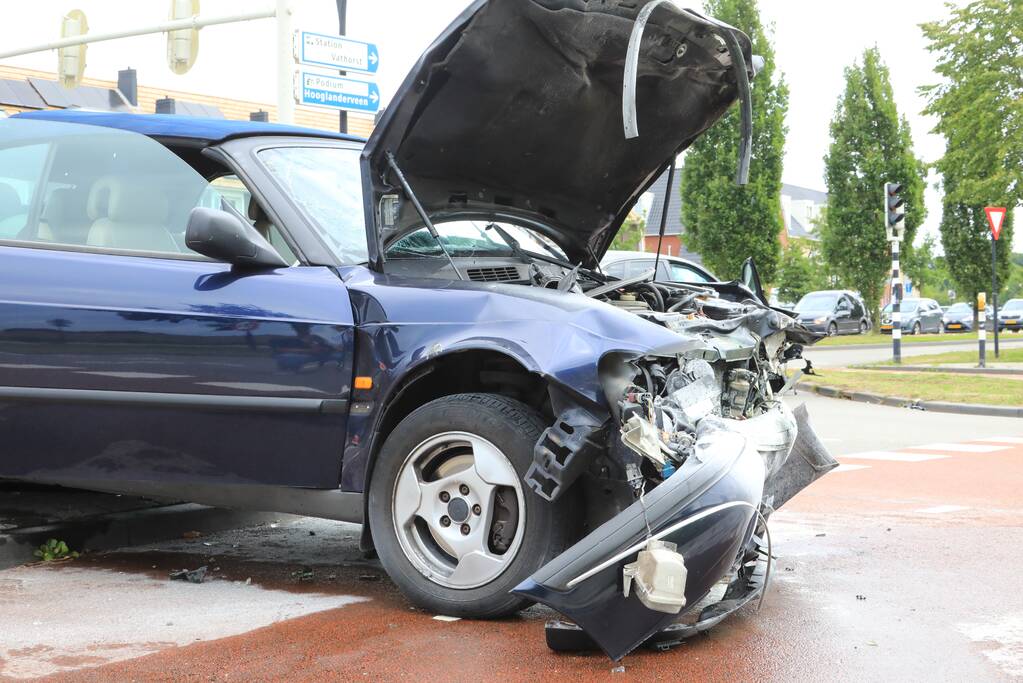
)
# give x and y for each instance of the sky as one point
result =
(814, 41)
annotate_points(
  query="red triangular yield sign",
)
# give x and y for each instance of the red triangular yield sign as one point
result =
(995, 216)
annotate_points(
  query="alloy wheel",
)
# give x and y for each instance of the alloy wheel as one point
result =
(458, 510)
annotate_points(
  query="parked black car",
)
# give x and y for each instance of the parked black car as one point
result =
(918, 316)
(834, 312)
(958, 317)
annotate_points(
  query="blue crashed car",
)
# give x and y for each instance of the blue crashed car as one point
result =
(412, 331)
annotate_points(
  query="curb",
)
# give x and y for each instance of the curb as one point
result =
(938, 368)
(128, 528)
(916, 404)
(951, 342)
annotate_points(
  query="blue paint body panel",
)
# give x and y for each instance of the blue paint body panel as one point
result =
(86, 321)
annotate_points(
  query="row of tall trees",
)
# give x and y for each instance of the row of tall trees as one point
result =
(979, 108)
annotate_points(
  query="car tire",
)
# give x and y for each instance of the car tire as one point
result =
(832, 329)
(864, 328)
(916, 328)
(413, 551)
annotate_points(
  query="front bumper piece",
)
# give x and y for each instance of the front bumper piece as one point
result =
(709, 510)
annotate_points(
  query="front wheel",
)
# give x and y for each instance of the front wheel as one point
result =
(832, 329)
(453, 523)
(916, 328)
(863, 327)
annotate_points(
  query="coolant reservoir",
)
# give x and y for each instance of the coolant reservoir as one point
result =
(659, 575)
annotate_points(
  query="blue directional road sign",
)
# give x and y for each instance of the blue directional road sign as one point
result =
(338, 93)
(336, 52)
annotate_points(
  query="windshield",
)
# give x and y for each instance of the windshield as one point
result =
(959, 309)
(817, 302)
(326, 184)
(1013, 305)
(468, 238)
(907, 306)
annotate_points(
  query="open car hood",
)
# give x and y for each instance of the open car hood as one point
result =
(522, 108)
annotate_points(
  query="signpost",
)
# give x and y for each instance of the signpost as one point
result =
(320, 90)
(342, 54)
(995, 218)
(336, 52)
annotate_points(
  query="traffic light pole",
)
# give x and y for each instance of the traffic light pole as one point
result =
(894, 227)
(896, 305)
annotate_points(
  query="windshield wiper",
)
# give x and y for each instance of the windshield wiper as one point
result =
(512, 243)
(421, 211)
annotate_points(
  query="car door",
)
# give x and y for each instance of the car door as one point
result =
(843, 315)
(127, 358)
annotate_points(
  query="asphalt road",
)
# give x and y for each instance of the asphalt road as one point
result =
(901, 565)
(839, 356)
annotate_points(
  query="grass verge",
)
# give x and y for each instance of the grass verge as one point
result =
(1012, 354)
(877, 338)
(927, 386)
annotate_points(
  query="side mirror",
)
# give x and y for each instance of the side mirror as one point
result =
(751, 278)
(226, 237)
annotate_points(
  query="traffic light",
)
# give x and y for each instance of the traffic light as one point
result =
(71, 60)
(183, 44)
(895, 211)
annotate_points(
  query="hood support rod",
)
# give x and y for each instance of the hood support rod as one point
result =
(629, 116)
(420, 210)
(664, 214)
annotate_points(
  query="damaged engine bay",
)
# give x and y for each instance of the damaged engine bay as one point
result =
(703, 419)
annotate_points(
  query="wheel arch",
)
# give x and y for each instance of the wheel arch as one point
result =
(458, 371)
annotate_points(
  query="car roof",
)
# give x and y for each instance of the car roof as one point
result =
(615, 256)
(206, 131)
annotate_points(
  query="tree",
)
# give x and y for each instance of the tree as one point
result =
(726, 223)
(630, 234)
(928, 270)
(966, 239)
(798, 273)
(979, 104)
(870, 145)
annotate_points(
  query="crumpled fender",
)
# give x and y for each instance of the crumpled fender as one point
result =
(707, 508)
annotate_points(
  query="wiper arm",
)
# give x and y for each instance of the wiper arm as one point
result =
(512, 243)
(421, 211)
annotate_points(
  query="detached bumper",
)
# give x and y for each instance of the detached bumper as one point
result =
(708, 508)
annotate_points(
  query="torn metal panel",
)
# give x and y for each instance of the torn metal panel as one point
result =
(584, 583)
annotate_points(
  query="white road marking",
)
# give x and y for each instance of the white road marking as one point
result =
(1008, 634)
(894, 456)
(942, 509)
(960, 447)
(846, 467)
(1004, 439)
(120, 615)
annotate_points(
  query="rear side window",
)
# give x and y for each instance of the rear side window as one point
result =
(96, 188)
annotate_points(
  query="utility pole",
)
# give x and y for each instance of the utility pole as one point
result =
(342, 20)
(895, 217)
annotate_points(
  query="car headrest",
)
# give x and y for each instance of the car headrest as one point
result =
(98, 203)
(10, 202)
(123, 200)
(64, 206)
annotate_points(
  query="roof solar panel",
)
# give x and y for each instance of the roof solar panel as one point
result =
(20, 94)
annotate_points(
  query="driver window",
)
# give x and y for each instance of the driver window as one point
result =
(230, 190)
